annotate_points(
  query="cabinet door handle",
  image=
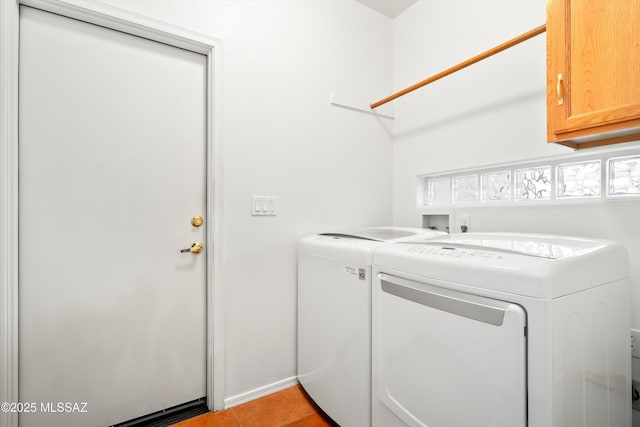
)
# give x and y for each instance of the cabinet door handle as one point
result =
(560, 90)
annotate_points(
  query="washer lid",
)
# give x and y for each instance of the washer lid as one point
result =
(387, 234)
(536, 265)
(357, 247)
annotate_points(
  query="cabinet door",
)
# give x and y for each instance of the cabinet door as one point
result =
(593, 71)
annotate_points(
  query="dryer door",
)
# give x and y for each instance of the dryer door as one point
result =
(446, 358)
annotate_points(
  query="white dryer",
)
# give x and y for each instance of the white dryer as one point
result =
(334, 318)
(501, 330)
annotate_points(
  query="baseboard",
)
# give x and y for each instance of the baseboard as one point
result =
(260, 392)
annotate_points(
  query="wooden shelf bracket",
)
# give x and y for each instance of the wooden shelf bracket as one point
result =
(506, 45)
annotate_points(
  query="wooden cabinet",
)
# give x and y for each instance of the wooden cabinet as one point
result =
(593, 72)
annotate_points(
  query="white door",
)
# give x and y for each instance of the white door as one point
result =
(112, 169)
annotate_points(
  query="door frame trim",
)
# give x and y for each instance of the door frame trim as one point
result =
(138, 25)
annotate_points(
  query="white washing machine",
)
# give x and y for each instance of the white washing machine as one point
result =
(334, 318)
(501, 330)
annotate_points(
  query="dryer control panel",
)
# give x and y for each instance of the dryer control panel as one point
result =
(455, 252)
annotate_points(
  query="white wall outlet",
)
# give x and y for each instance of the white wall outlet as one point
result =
(635, 343)
(263, 205)
(464, 223)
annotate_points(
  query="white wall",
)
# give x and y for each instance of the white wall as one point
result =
(489, 113)
(330, 167)
(334, 168)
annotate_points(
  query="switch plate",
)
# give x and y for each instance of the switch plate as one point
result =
(263, 205)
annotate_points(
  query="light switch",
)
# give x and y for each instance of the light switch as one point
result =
(263, 205)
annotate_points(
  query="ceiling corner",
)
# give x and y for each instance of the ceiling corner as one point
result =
(390, 8)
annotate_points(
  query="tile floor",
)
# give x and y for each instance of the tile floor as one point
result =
(290, 407)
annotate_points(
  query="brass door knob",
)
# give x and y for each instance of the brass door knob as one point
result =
(196, 248)
(197, 221)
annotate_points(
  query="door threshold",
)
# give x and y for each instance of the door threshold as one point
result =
(169, 416)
